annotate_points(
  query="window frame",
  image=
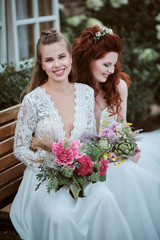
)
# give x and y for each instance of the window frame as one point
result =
(11, 51)
(3, 48)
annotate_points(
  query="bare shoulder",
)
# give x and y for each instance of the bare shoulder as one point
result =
(122, 86)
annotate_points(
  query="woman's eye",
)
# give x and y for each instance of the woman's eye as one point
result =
(106, 64)
(62, 56)
(49, 60)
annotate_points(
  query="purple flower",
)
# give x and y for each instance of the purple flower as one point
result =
(114, 125)
(109, 133)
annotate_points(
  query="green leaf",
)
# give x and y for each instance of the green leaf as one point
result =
(66, 144)
(102, 178)
(97, 166)
(62, 180)
(75, 190)
(38, 186)
(94, 153)
(52, 184)
(79, 179)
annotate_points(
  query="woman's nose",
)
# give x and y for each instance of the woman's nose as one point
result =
(111, 69)
(56, 63)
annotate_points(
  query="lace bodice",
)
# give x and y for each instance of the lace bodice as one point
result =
(39, 116)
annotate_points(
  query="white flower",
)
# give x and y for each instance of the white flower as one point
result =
(158, 17)
(49, 160)
(158, 67)
(76, 20)
(94, 21)
(100, 34)
(118, 3)
(94, 4)
(61, 6)
(106, 30)
(148, 54)
(158, 31)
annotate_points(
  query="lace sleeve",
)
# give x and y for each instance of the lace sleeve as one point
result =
(26, 123)
(91, 123)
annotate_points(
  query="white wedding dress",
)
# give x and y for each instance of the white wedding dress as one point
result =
(150, 152)
(137, 187)
(38, 215)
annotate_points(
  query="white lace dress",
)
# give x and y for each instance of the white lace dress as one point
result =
(38, 215)
(137, 189)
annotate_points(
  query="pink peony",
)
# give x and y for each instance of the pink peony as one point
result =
(103, 167)
(66, 155)
(85, 165)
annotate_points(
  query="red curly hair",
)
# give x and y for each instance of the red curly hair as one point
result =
(85, 50)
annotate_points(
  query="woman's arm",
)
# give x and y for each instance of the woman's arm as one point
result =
(123, 90)
(26, 124)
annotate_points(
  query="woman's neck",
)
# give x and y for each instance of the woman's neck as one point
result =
(57, 87)
(100, 105)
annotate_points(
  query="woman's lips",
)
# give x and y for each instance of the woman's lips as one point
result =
(59, 72)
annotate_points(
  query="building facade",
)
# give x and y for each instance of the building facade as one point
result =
(21, 22)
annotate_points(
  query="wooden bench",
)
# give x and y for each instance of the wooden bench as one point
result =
(11, 169)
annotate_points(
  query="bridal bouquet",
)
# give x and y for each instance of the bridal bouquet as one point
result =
(117, 142)
(70, 164)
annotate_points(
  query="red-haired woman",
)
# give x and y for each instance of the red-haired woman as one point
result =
(97, 53)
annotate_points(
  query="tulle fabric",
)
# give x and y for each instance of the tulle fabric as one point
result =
(39, 215)
(150, 152)
(136, 187)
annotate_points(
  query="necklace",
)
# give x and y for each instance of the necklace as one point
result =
(101, 108)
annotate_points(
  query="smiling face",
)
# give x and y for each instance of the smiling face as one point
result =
(56, 61)
(103, 67)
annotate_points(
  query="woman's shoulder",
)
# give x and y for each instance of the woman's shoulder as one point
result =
(122, 86)
(86, 88)
(32, 96)
(123, 89)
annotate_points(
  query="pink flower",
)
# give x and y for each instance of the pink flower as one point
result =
(65, 154)
(103, 167)
(138, 150)
(85, 165)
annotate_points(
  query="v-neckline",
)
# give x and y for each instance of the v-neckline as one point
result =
(57, 111)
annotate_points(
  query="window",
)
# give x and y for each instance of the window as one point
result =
(24, 21)
(3, 54)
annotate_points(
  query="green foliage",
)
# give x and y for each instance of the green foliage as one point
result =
(13, 83)
(94, 153)
(137, 24)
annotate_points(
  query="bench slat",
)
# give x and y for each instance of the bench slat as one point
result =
(9, 189)
(7, 208)
(7, 130)
(11, 169)
(9, 113)
(6, 145)
(8, 161)
(12, 173)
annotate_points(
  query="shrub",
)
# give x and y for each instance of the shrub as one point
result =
(137, 23)
(13, 84)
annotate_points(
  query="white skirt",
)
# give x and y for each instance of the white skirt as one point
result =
(137, 192)
(38, 215)
(150, 152)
